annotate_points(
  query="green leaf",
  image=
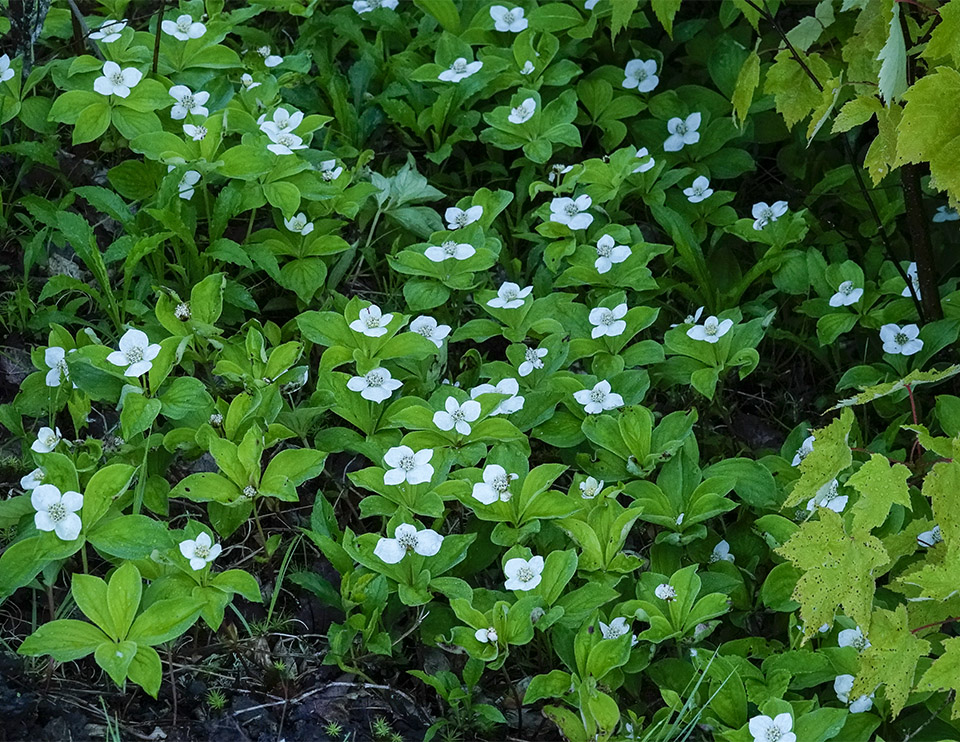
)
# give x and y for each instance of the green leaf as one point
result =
(64, 640)
(794, 93)
(444, 11)
(164, 620)
(206, 487)
(91, 123)
(893, 71)
(944, 673)
(623, 10)
(105, 486)
(130, 536)
(145, 670)
(91, 595)
(123, 597)
(881, 485)
(747, 82)
(138, 414)
(943, 40)
(238, 581)
(830, 456)
(665, 11)
(115, 658)
(891, 659)
(929, 130)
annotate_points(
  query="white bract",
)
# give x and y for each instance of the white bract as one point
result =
(450, 249)
(557, 170)
(524, 112)
(665, 592)
(184, 28)
(511, 20)
(32, 480)
(590, 488)
(510, 296)
(691, 319)
(284, 142)
(376, 385)
(646, 161)
(914, 280)
(842, 686)
(532, 359)
(846, 295)
(200, 551)
(299, 224)
(509, 386)
(777, 729)
(806, 448)
(196, 133)
(853, 638)
(711, 330)
(460, 218)
(699, 191)
(246, 79)
(572, 212)
(6, 71)
(608, 322)
(282, 121)
(931, 537)
(763, 214)
(365, 6)
(523, 574)
(108, 32)
(188, 102)
(136, 353)
(599, 398)
(455, 415)
(528, 68)
(428, 327)
(721, 553)
(57, 512)
(617, 628)
(269, 60)
(944, 213)
(372, 322)
(407, 465)
(495, 485)
(56, 360)
(461, 69)
(329, 170)
(609, 253)
(407, 538)
(641, 75)
(47, 440)
(187, 182)
(828, 497)
(486, 635)
(682, 132)
(904, 341)
(116, 81)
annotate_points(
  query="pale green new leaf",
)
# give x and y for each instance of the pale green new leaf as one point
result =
(893, 71)
(794, 92)
(930, 128)
(747, 82)
(913, 379)
(856, 112)
(881, 485)
(666, 10)
(944, 674)
(942, 486)
(944, 39)
(891, 659)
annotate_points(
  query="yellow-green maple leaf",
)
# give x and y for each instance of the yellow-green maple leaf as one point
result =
(913, 379)
(881, 485)
(942, 486)
(944, 673)
(930, 128)
(943, 41)
(837, 571)
(891, 659)
(794, 93)
(830, 456)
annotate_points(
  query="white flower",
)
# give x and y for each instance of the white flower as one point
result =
(116, 81)
(196, 133)
(184, 28)
(846, 295)
(646, 161)
(598, 399)
(365, 6)
(56, 360)
(372, 322)
(944, 213)
(407, 465)
(721, 553)
(590, 5)
(32, 480)
(188, 102)
(284, 142)
(617, 628)
(406, 539)
(682, 132)
(523, 574)
(512, 404)
(6, 71)
(842, 686)
(47, 440)
(460, 218)
(557, 170)
(609, 253)
(495, 485)
(136, 353)
(691, 319)
(523, 113)
(269, 60)
(299, 224)
(711, 330)
(901, 340)
(201, 552)
(665, 592)
(927, 538)
(187, 182)
(428, 327)
(572, 212)
(449, 249)
(914, 279)
(461, 69)
(853, 638)
(486, 635)
(508, 20)
(699, 191)
(510, 296)
(456, 415)
(282, 121)
(764, 214)
(527, 68)
(246, 80)
(806, 448)
(182, 311)
(828, 497)
(532, 360)
(329, 171)
(109, 31)
(680, 518)
(376, 385)
(765, 729)
(57, 512)
(590, 488)
(641, 75)
(608, 322)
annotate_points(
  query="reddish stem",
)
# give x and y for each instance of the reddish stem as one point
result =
(935, 623)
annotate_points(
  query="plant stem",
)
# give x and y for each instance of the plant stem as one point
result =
(156, 41)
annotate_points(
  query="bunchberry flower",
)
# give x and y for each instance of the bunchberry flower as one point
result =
(182, 311)
(495, 485)
(777, 729)
(806, 448)
(846, 295)
(599, 398)
(365, 6)
(608, 322)
(201, 551)
(944, 213)
(828, 497)
(665, 592)
(32, 480)
(721, 553)
(246, 79)
(853, 638)
(109, 31)
(376, 385)
(682, 132)
(609, 253)
(510, 296)
(524, 112)
(284, 142)
(641, 75)
(557, 170)
(407, 538)
(532, 359)
(428, 327)
(590, 488)
(486, 635)
(711, 330)
(511, 20)
(460, 218)
(931, 537)
(136, 353)
(6, 71)
(572, 212)
(269, 60)
(512, 404)
(57, 512)
(329, 170)
(523, 574)
(407, 465)
(56, 360)
(196, 133)
(457, 416)
(299, 224)
(184, 28)
(904, 341)
(188, 102)
(914, 279)
(842, 686)
(459, 70)
(47, 440)
(116, 81)
(282, 121)
(528, 68)
(187, 182)
(646, 161)
(450, 249)
(372, 322)
(699, 191)
(764, 214)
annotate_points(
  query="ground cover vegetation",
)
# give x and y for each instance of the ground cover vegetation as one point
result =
(441, 369)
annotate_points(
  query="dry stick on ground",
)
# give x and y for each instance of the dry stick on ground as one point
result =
(768, 16)
(82, 24)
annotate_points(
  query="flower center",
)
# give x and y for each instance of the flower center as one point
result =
(604, 251)
(846, 288)
(508, 17)
(681, 128)
(182, 312)
(510, 295)
(524, 574)
(571, 209)
(711, 329)
(407, 463)
(134, 355)
(501, 483)
(201, 551)
(698, 190)
(773, 734)
(425, 330)
(461, 219)
(640, 75)
(450, 247)
(50, 440)
(117, 78)
(285, 139)
(57, 512)
(532, 358)
(264, 51)
(615, 630)
(408, 541)
(766, 214)
(184, 25)
(901, 338)
(187, 101)
(374, 378)
(457, 415)
(460, 66)
(249, 491)
(372, 321)
(597, 395)
(860, 643)
(216, 419)
(607, 318)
